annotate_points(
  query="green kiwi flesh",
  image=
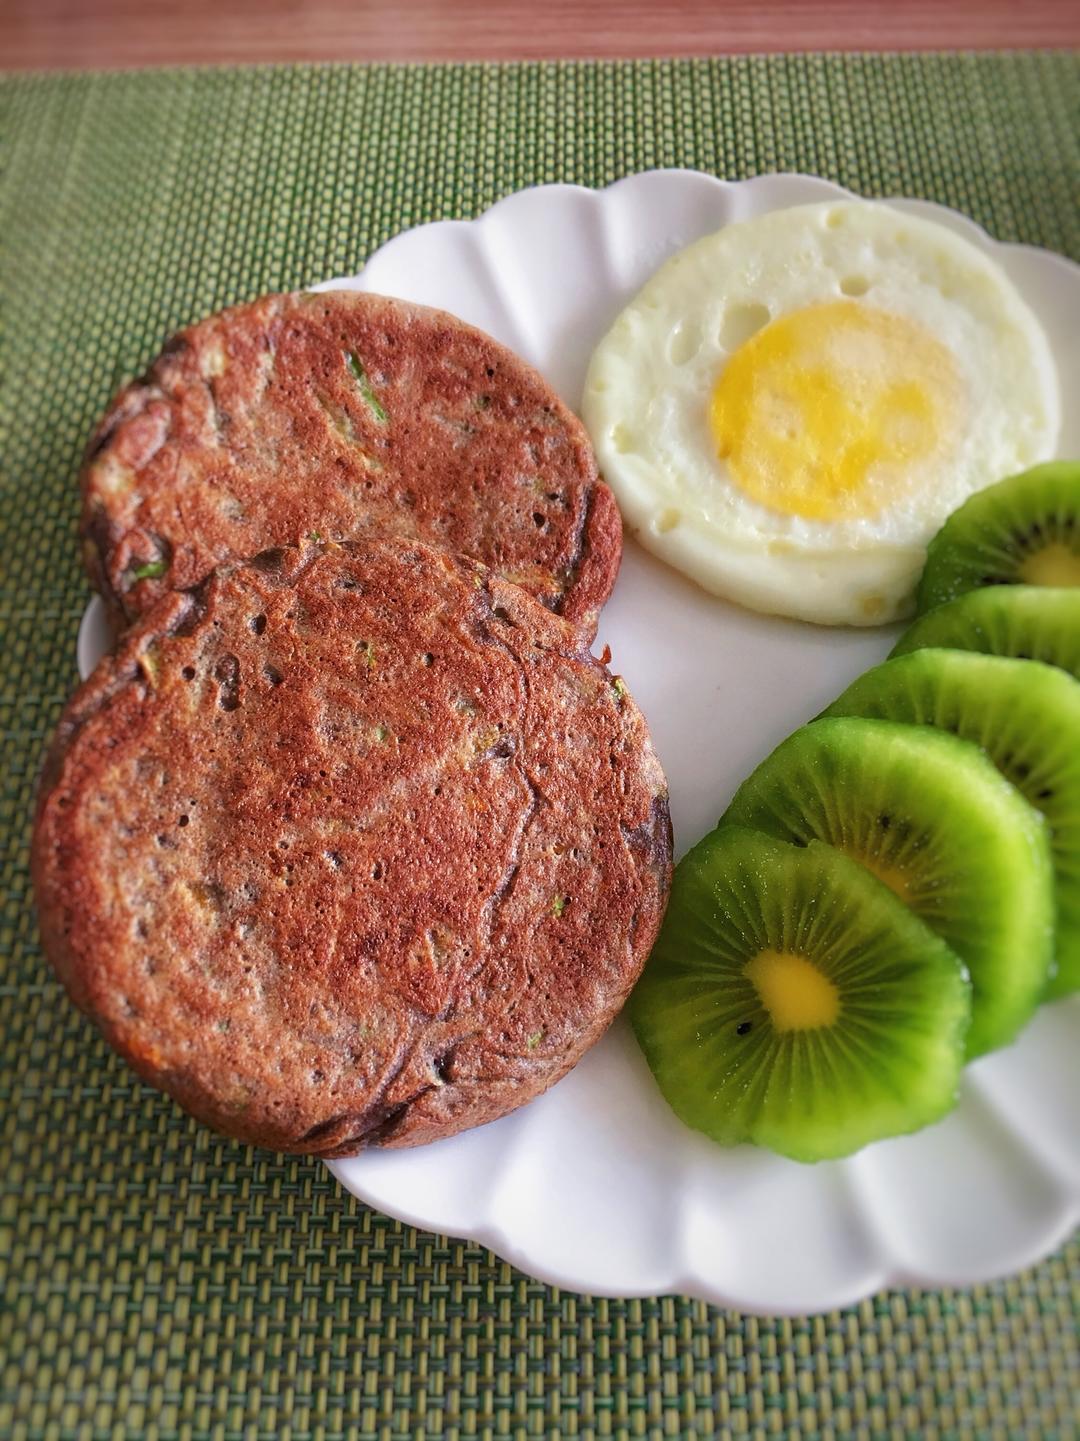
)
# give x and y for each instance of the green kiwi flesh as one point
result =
(932, 818)
(1028, 622)
(1026, 716)
(1023, 531)
(744, 1054)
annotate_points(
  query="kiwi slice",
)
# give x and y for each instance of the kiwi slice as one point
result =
(1023, 531)
(934, 820)
(792, 1001)
(1025, 621)
(1027, 718)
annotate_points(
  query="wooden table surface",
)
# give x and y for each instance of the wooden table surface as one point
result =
(52, 34)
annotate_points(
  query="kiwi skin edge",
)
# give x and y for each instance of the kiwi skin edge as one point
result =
(1027, 622)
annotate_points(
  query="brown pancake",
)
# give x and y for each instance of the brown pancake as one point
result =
(353, 845)
(330, 413)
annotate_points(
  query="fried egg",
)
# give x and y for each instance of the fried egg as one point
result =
(790, 408)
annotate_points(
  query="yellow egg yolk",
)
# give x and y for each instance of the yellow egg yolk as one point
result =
(834, 411)
(797, 996)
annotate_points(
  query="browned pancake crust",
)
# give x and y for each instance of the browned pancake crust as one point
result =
(355, 845)
(329, 413)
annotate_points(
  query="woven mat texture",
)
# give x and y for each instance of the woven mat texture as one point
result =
(160, 1282)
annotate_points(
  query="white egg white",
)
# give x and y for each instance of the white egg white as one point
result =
(649, 384)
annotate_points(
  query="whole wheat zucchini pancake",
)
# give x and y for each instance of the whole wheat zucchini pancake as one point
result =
(328, 413)
(351, 845)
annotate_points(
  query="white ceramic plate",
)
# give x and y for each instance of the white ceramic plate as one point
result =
(596, 1186)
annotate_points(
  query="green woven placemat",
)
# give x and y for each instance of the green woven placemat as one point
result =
(157, 1281)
